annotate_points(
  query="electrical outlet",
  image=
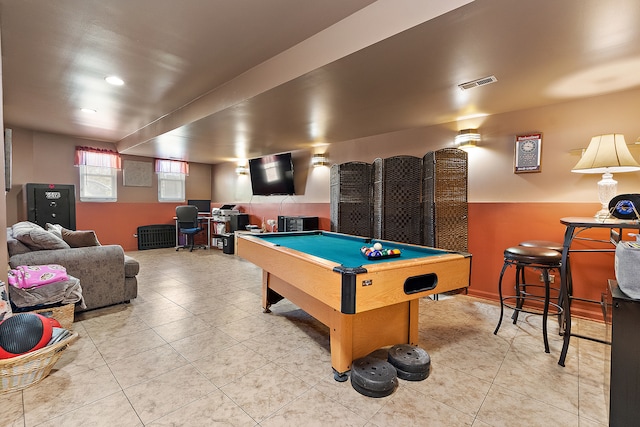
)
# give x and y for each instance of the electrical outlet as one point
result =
(552, 278)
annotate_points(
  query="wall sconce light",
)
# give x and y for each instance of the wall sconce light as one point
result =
(319, 160)
(606, 154)
(242, 170)
(467, 138)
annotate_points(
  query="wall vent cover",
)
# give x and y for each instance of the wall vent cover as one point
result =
(478, 82)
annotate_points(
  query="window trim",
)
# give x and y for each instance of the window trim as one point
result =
(85, 176)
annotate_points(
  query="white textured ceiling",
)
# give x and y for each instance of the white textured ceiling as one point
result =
(216, 80)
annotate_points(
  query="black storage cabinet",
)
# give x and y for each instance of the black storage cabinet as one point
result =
(625, 363)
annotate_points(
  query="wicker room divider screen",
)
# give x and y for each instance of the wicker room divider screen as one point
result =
(396, 190)
(444, 199)
(404, 198)
(351, 197)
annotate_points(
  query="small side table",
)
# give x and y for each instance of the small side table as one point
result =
(575, 226)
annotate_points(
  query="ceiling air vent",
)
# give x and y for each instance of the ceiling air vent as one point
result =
(478, 82)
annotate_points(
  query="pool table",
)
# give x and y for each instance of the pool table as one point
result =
(367, 304)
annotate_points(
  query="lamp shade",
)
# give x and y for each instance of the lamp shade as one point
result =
(607, 153)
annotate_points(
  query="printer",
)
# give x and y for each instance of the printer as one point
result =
(224, 212)
(229, 219)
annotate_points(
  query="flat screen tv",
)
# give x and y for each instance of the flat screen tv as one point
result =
(272, 175)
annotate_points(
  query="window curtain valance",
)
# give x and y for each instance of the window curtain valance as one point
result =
(89, 156)
(172, 166)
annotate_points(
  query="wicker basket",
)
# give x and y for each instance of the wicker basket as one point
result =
(63, 314)
(22, 371)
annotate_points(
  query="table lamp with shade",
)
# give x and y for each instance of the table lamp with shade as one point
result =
(606, 154)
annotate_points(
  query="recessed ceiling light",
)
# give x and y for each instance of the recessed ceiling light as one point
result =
(114, 80)
(88, 110)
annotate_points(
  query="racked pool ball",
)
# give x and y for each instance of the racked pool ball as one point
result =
(377, 246)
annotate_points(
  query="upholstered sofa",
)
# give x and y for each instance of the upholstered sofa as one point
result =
(107, 276)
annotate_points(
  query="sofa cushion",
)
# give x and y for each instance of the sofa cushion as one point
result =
(55, 229)
(131, 266)
(80, 238)
(36, 237)
(15, 246)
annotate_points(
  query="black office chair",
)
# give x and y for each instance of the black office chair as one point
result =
(188, 225)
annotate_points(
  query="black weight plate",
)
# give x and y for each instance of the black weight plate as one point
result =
(412, 376)
(370, 393)
(373, 377)
(409, 358)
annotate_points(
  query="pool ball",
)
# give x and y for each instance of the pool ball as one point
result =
(377, 246)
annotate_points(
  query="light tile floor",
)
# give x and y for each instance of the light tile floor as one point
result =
(195, 349)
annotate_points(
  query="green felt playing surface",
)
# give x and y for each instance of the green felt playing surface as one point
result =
(344, 249)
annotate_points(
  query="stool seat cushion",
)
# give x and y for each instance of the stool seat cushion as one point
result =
(532, 255)
(542, 244)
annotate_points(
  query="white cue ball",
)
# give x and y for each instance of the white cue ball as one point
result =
(377, 246)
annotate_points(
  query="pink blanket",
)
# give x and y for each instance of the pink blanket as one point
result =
(33, 276)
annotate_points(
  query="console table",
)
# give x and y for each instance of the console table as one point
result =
(575, 226)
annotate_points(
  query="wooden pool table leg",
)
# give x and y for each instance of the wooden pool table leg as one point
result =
(372, 332)
(265, 290)
(269, 296)
(341, 341)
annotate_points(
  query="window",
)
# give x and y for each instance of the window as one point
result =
(171, 180)
(98, 184)
(98, 174)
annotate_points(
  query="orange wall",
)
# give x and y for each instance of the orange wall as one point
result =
(266, 211)
(116, 223)
(492, 228)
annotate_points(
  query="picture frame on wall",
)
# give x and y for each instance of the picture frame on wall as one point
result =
(528, 153)
(137, 174)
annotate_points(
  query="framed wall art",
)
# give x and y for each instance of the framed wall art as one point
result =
(528, 153)
(137, 174)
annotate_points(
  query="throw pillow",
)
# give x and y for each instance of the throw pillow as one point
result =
(80, 239)
(55, 229)
(24, 227)
(36, 237)
(15, 246)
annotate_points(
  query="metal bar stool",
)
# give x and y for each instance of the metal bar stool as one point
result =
(539, 258)
(556, 246)
(547, 244)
